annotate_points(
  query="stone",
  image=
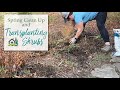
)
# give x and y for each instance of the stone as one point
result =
(115, 59)
(117, 65)
(106, 71)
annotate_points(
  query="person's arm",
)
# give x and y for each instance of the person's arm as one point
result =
(79, 28)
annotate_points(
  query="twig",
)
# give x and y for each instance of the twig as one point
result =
(60, 63)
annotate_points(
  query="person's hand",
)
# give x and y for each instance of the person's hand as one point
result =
(73, 40)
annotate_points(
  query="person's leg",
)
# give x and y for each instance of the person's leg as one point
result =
(101, 19)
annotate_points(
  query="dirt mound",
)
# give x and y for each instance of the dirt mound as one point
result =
(37, 71)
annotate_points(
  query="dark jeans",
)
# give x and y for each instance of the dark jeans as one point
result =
(100, 20)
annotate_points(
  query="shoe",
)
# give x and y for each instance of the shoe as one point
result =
(106, 48)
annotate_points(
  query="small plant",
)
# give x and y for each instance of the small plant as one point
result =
(98, 37)
(99, 58)
(26, 72)
(71, 48)
(2, 69)
(51, 18)
(102, 57)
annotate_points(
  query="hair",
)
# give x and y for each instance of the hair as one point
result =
(69, 15)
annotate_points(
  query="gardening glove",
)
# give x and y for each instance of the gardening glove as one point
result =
(73, 40)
